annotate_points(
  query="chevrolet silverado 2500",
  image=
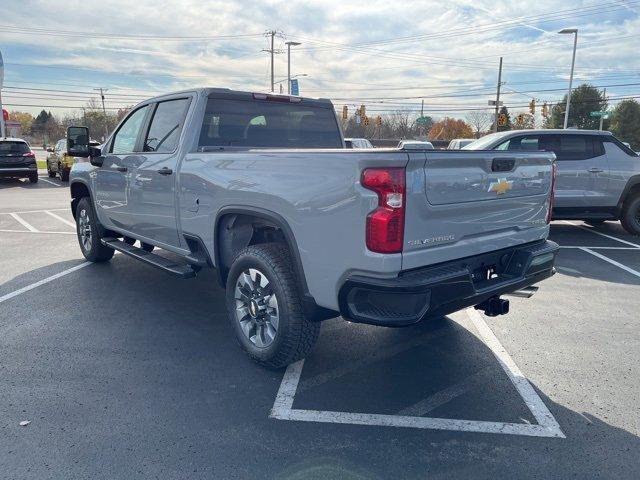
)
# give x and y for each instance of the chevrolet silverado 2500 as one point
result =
(301, 229)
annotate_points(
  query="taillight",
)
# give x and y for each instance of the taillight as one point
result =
(554, 172)
(385, 225)
(29, 154)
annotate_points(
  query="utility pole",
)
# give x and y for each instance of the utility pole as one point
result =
(495, 123)
(272, 34)
(104, 111)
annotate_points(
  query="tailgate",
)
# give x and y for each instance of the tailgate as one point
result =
(463, 203)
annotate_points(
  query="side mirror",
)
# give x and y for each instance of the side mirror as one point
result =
(78, 142)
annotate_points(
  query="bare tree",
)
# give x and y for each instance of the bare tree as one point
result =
(480, 121)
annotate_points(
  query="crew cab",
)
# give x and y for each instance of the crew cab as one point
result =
(301, 229)
(598, 176)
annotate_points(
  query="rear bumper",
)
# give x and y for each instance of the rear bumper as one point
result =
(445, 288)
(18, 170)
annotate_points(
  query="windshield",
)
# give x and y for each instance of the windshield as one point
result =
(484, 142)
(268, 124)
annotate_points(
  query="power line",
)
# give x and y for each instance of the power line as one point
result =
(31, 31)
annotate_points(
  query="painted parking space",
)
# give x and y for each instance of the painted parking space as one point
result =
(146, 366)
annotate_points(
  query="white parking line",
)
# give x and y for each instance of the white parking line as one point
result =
(599, 248)
(49, 181)
(38, 232)
(612, 262)
(546, 427)
(63, 220)
(37, 211)
(23, 222)
(601, 234)
(43, 281)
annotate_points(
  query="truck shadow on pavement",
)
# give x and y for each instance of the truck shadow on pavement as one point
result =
(140, 371)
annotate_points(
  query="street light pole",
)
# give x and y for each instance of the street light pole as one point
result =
(574, 31)
(289, 45)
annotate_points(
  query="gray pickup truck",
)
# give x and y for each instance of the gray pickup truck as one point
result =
(300, 229)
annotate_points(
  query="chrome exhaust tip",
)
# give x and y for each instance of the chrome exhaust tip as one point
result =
(526, 292)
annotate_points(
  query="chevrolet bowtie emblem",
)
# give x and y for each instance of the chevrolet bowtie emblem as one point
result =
(501, 186)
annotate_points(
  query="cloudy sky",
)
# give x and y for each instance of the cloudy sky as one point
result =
(387, 55)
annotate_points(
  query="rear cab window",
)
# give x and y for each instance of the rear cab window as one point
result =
(9, 148)
(268, 124)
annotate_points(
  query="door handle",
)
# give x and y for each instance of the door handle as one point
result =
(596, 170)
(165, 171)
(121, 169)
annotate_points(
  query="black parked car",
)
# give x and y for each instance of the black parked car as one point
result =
(17, 160)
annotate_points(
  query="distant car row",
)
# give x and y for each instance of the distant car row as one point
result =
(455, 144)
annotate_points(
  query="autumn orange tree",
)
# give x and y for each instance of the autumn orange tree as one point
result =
(450, 128)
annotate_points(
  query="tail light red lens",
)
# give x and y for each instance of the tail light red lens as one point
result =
(554, 172)
(385, 225)
(29, 154)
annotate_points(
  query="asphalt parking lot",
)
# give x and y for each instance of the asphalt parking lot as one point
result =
(125, 372)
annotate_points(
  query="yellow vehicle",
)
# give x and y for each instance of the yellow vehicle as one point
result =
(58, 162)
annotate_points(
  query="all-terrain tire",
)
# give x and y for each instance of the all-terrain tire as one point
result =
(295, 335)
(89, 234)
(630, 219)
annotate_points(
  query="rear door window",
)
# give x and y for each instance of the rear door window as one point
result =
(577, 147)
(13, 148)
(166, 125)
(268, 124)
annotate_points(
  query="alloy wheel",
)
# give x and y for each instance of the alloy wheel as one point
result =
(84, 228)
(256, 307)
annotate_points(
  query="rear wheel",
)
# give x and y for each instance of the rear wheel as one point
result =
(33, 178)
(265, 309)
(64, 174)
(631, 215)
(89, 234)
(49, 172)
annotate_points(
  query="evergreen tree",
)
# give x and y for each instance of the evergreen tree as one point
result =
(584, 100)
(625, 123)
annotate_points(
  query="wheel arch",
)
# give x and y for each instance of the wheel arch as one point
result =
(78, 189)
(246, 221)
(631, 188)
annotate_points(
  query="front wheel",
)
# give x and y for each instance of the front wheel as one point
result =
(89, 234)
(265, 309)
(631, 215)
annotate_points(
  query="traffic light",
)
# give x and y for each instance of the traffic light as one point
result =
(345, 112)
(366, 120)
(521, 118)
(532, 106)
(502, 120)
(379, 120)
(363, 111)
